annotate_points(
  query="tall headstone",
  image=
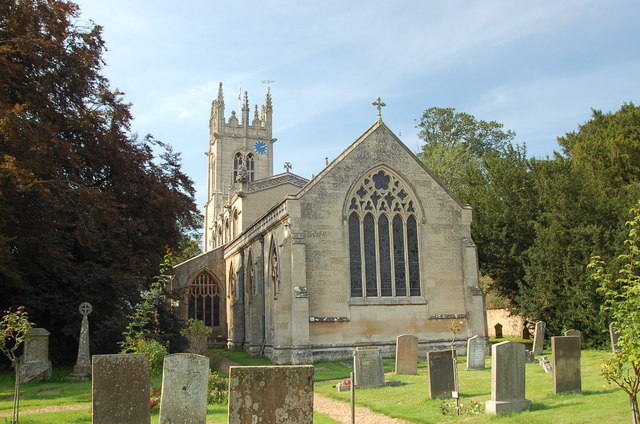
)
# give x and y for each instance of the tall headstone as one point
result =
(367, 366)
(507, 379)
(613, 333)
(475, 353)
(120, 389)
(185, 381)
(406, 354)
(441, 374)
(566, 364)
(82, 368)
(538, 338)
(34, 363)
(271, 394)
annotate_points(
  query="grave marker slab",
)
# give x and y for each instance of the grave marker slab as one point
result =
(367, 365)
(407, 354)
(271, 394)
(441, 374)
(34, 363)
(475, 353)
(538, 338)
(566, 364)
(185, 381)
(507, 379)
(120, 389)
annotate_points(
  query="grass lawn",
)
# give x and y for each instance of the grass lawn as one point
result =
(598, 403)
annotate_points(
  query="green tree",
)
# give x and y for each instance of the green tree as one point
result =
(622, 303)
(86, 207)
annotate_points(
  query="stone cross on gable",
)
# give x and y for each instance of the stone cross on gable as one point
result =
(379, 104)
(288, 166)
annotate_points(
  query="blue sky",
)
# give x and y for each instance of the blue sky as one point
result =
(538, 67)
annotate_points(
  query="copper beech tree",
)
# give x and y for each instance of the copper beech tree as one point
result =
(86, 207)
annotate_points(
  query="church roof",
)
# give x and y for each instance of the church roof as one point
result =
(276, 180)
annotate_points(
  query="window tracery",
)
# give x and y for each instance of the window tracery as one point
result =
(383, 237)
(204, 299)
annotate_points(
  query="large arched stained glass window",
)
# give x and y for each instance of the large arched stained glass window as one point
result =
(204, 299)
(383, 238)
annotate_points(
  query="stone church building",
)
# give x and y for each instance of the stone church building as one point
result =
(303, 270)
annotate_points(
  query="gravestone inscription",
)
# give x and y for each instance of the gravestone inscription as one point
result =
(185, 378)
(120, 389)
(407, 354)
(271, 394)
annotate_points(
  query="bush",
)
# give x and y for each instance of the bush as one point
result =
(195, 328)
(218, 386)
(153, 348)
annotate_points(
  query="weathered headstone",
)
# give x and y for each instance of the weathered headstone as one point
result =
(613, 333)
(538, 338)
(271, 394)
(441, 374)
(367, 365)
(82, 368)
(546, 364)
(185, 381)
(475, 353)
(120, 389)
(34, 363)
(507, 379)
(572, 332)
(406, 354)
(566, 364)
(498, 330)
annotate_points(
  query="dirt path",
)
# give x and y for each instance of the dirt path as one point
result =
(48, 409)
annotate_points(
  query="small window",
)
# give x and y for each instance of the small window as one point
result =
(250, 167)
(237, 164)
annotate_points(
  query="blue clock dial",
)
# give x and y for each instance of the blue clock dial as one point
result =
(260, 147)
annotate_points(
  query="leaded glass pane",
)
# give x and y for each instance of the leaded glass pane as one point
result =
(208, 311)
(384, 255)
(216, 311)
(398, 256)
(370, 255)
(414, 262)
(355, 262)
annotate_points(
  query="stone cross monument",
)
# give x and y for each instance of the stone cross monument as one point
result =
(82, 369)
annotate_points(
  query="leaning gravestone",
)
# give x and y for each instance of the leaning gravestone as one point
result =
(185, 381)
(613, 333)
(441, 374)
(538, 338)
(367, 365)
(507, 379)
(406, 354)
(566, 364)
(82, 368)
(34, 363)
(271, 394)
(120, 389)
(475, 353)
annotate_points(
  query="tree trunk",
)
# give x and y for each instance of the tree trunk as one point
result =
(635, 417)
(16, 393)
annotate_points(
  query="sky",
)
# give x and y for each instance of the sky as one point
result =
(538, 67)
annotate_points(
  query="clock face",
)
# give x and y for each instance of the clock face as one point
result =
(260, 147)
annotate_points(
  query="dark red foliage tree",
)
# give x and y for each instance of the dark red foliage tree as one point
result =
(86, 208)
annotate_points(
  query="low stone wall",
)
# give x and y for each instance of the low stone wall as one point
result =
(512, 325)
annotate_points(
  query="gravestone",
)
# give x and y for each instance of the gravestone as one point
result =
(82, 368)
(367, 365)
(613, 333)
(546, 364)
(185, 381)
(507, 379)
(120, 389)
(566, 364)
(406, 354)
(441, 374)
(498, 330)
(34, 363)
(572, 332)
(475, 353)
(271, 394)
(538, 338)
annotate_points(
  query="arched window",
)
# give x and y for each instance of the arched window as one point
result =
(250, 167)
(274, 276)
(204, 299)
(237, 164)
(383, 237)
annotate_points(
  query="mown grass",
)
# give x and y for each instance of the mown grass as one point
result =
(599, 402)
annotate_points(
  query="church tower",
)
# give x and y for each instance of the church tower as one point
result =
(239, 151)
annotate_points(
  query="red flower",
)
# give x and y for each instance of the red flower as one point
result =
(21, 308)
